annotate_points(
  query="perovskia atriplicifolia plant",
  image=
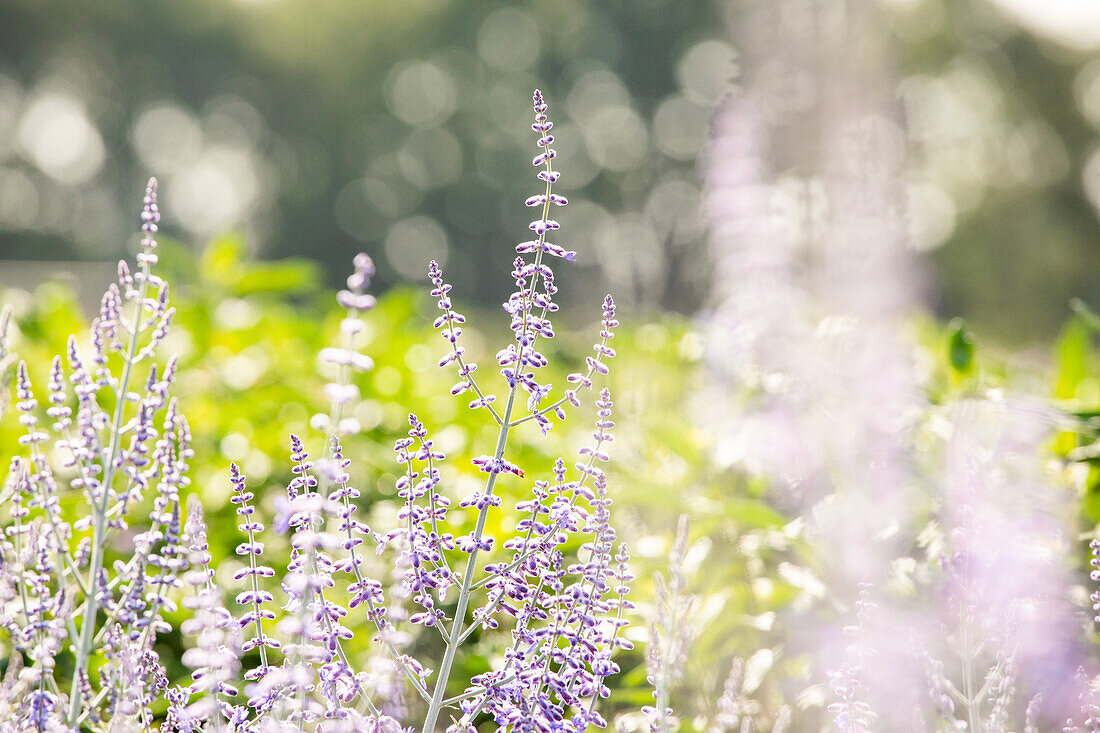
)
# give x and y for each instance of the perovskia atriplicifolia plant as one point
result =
(566, 613)
(118, 438)
(279, 662)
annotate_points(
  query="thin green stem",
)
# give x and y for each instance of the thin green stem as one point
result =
(458, 631)
(469, 375)
(373, 610)
(99, 513)
(444, 674)
(973, 705)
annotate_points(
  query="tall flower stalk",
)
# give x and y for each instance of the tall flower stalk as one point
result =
(125, 446)
(567, 611)
(99, 501)
(529, 307)
(119, 436)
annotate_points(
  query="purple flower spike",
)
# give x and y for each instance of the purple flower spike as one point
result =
(254, 597)
(122, 443)
(150, 225)
(562, 577)
(449, 323)
(341, 392)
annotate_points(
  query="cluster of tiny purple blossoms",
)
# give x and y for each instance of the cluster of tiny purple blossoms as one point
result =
(280, 662)
(529, 307)
(121, 447)
(565, 609)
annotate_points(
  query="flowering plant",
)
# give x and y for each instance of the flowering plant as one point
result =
(59, 597)
(565, 605)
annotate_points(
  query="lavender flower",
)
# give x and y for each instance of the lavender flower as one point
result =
(566, 610)
(851, 713)
(125, 446)
(670, 635)
(529, 306)
(532, 588)
(253, 598)
(118, 437)
(341, 392)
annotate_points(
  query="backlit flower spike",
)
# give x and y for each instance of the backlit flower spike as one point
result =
(314, 629)
(532, 301)
(159, 320)
(112, 457)
(110, 316)
(145, 289)
(427, 575)
(165, 567)
(542, 126)
(47, 629)
(450, 325)
(299, 630)
(214, 656)
(254, 598)
(356, 298)
(27, 406)
(622, 578)
(597, 364)
(341, 393)
(553, 601)
(200, 575)
(351, 532)
(150, 225)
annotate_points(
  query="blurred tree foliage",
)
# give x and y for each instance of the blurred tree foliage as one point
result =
(327, 126)
(328, 123)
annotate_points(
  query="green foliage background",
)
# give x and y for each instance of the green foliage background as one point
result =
(316, 75)
(248, 335)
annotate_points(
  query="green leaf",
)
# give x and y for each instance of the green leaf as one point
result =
(1085, 314)
(1092, 495)
(222, 259)
(285, 276)
(752, 513)
(1071, 353)
(960, 346)
(223, 263)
